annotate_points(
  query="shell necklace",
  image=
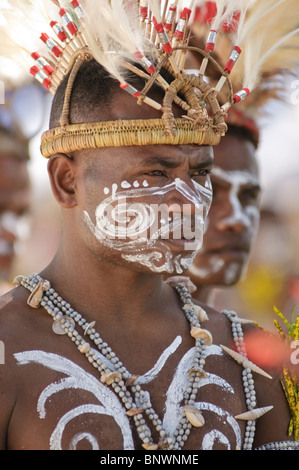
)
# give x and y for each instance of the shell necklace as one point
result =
(113, 373)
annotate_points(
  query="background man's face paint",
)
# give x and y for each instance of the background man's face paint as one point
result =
(138, 223)
(247, 216)
(236, 229)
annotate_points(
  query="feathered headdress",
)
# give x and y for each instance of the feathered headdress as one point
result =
(55, 37)
(267, 32)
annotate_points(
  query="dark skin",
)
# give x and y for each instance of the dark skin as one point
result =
(138, 317)
(230, 230)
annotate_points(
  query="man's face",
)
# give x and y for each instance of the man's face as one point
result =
(145, 206)
(233, 217)
(14, 203)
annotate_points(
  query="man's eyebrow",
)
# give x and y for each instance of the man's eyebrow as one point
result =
(166, 162)
(174, 163)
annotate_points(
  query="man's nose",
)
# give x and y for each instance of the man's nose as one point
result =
(235, 218)
(183, 198)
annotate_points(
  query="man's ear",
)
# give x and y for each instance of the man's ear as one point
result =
(62, 171)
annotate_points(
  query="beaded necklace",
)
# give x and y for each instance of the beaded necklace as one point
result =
(113, 373)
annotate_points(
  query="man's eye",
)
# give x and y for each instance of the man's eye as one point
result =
(156, 173)
(203, 173)
(249, 194)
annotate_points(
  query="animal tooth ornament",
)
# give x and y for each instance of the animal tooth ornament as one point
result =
(245, 362)
(53, 38)
(194, 416)
(254, 414)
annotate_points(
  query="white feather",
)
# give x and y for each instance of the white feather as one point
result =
(226, 10)
(101, 40)
(259, 11)
(270, 38)
(126, 27)
(155, 7)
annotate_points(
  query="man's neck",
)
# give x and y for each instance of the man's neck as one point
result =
(114, 289)
(204, 294)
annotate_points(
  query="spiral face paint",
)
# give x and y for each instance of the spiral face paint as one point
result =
(135, 221)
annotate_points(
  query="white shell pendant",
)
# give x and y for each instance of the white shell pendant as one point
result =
(89, 326)
(57, 325)
(205, 335)
(194, 416)
(200, 313)
(36, 295)
(175, 280)
(109, 377)
(150, 446)
(18, 280)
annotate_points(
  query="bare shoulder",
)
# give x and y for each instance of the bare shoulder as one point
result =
(11, 334)
(269, 393)
(216, 322)
(15, 317)
(17, 327)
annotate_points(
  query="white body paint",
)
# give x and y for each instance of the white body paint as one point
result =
(74, 377)
(134, 227)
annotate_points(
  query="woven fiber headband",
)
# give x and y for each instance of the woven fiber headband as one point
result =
(123, 133)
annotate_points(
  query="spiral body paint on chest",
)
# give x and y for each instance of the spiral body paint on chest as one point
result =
(135, 221)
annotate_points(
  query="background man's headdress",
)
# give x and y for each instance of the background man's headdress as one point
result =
(153, 34)
(271, 46)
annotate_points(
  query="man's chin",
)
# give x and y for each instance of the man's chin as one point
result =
(166, 258)
(226, 269)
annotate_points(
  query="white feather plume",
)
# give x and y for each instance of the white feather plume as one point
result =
(226, 10)
(156, 9)
(270, 40)
(102, 46)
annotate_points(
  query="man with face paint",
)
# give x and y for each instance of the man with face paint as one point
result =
(15, 199)
(100, 352)
(234, 215)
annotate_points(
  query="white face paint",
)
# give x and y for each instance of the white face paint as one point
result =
(212, 263)
(215, 264)
(248, 216)
(139, 229)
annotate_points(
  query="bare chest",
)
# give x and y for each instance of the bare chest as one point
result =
(76, 409)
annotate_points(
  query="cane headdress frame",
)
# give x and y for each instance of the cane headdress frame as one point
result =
(142, 37)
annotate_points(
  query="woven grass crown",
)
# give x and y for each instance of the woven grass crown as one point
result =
(203, 122)
(154, 35)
